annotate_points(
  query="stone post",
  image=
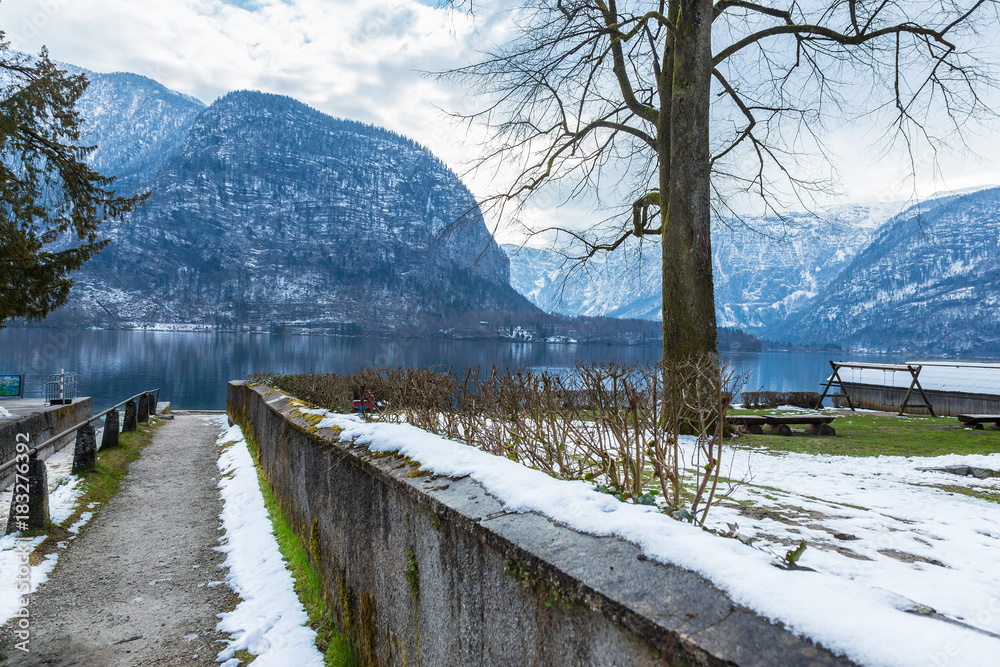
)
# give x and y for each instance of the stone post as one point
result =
(38, 498)
(130, 424)
(110, 437)
(143, 408)
(152, 404)
(85, 454)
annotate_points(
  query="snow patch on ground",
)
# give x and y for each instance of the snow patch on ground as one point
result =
(862, 609)
(85, 518)
(270, 622)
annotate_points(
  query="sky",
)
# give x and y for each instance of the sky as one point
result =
(362, 61)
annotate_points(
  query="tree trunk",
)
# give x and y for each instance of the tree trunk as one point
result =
(689, 326)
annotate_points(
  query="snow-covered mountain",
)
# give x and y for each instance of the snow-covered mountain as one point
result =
(763, 269)
(137, 125)
(266, 212)
(271, 213)
(610, 285)
(926, 279)
(766, 270)
(929, 282)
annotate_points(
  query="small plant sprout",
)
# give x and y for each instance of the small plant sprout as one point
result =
(793, 555)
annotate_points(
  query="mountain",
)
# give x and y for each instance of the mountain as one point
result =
(137, 124)
(273, 214)
(766, 270)
(925, 280)
(606, 286)
(763, 269)
(929, 282)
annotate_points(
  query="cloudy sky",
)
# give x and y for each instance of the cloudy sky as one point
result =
(360, 60)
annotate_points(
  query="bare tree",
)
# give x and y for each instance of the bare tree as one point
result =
(679, 106)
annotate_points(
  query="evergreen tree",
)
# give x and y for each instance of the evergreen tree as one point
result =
(51, 201)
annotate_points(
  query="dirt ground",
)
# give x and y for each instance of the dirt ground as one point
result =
(141, 585)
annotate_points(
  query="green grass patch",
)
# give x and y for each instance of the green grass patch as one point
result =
(866, 434)
(982, 494)
(337, 652)
(100, 484)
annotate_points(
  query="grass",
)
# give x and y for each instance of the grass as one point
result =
(337, 652)
(982, 494)
(868, 434)
(100, 484)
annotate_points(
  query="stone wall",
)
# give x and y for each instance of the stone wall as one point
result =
(42, 425)
(424, 570)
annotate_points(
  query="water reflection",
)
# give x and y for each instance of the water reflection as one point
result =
(191, 369)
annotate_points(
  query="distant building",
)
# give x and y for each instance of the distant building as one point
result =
(521, 334)
(953, 387)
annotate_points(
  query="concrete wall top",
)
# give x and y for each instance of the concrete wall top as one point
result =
(40, 422)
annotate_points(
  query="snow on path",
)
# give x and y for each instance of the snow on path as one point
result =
(270, 622)
(858, 608)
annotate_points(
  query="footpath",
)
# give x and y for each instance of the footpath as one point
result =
(142, 584)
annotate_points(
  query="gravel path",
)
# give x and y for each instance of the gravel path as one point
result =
(141, 584)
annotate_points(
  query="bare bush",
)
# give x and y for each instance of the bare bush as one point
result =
(766, 400)
(618, 425)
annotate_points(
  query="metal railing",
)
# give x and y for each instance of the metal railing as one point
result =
(60, 388)
(38, 385)
(73, 429)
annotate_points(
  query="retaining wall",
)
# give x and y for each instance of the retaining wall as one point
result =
(424, 570)
(42, 425)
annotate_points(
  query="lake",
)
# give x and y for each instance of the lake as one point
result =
(191, 369)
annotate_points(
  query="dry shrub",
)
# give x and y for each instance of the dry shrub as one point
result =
(618, 425)
(767, 400)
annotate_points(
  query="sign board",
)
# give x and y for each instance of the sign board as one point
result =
(11, 386)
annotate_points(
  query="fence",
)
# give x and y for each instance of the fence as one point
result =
(56, 388)
(60, 388)
(30, 508)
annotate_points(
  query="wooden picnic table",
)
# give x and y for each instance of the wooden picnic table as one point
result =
(781, 424)
(977, 421)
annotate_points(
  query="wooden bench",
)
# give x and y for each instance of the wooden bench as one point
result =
(781, 424)
(977, 421)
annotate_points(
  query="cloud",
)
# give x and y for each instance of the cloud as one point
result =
(353, 60)
(348, 59)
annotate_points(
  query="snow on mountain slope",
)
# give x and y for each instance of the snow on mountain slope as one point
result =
(929, 281)
(560, 285)
(275, 214)
(137, 124)
(764, 269)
